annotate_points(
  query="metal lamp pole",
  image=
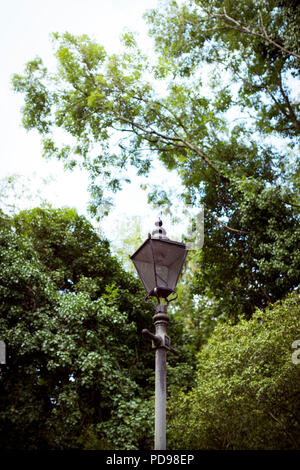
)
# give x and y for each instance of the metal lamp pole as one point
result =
(159, 262)
(161, 343)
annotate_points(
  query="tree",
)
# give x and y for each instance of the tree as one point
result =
(77, 372)
(257, 42)
(247, 386)
(256, 45)
(77, 260)
(167, 110)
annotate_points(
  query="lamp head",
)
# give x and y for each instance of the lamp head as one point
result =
(159, 262)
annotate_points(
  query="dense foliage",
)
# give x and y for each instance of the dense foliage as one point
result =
(247, 386)
(217, 106)
(77, 372)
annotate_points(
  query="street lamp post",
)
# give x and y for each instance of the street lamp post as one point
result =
(159, 262)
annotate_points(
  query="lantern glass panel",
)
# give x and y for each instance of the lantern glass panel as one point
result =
(169, 258)
(143, 262)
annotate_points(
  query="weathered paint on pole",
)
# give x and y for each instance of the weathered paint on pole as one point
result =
(161, 344)
(160, 399)
(161, 321)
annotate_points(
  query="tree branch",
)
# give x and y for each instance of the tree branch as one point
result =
(239, 26)
(226, 226)
(174, 140)
(284, 429)
(277, 103)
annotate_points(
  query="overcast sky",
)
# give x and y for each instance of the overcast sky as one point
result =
(25, 28)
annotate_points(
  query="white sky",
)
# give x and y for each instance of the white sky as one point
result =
(25, 28)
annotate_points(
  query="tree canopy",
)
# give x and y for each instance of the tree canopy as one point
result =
(247, 386)
(76, 364)
(216, 106)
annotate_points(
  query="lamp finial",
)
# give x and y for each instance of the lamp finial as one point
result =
(159, 231)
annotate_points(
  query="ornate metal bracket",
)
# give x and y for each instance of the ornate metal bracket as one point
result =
(159, 341)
